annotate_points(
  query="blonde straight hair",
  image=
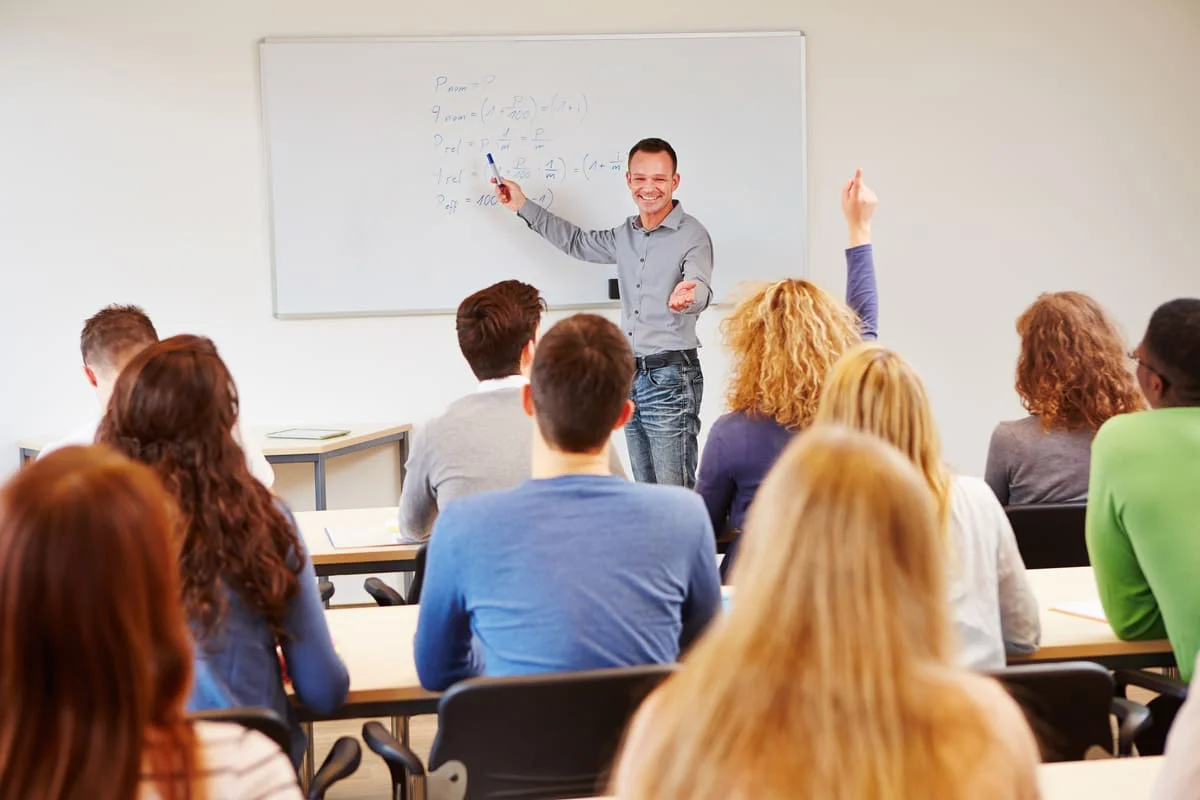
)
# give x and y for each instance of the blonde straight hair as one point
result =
(831, 674)
(873, 389)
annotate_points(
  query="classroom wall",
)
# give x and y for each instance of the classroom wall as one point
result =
(1017, 145)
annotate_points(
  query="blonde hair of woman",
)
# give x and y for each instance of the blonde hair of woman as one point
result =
(995, 613)
(831, 675)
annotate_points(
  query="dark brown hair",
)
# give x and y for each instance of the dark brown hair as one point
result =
(495, 324)
(655, 145)
(582, 374)
(97, 658)
(1071, 373)
(1173, 341)
(114, 332)
(174, 408)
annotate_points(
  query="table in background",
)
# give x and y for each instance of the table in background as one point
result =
(298, 451)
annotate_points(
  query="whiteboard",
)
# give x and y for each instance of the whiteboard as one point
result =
(378, 182)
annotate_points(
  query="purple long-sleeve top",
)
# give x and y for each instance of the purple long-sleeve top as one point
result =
(741, 448)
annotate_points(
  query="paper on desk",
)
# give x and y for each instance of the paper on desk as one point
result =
(360, 536)
(1088, 609)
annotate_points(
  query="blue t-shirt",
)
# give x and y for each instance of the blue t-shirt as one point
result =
(569, 573)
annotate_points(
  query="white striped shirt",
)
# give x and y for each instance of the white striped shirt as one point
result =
(236, 763)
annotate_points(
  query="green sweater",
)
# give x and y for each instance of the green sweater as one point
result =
(1143, 527)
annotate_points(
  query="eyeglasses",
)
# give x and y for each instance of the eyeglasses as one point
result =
(1132, 354)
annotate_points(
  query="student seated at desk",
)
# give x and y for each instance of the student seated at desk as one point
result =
(248, 584)
(576, 568)
(481, 443)
(833, 674)
(783, 340)
(110, 339)
(875, 390)
(95, 654)
(1072, 376)
(1143, 516)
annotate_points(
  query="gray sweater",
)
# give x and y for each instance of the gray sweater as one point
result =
(1026, 464)
(483, 442)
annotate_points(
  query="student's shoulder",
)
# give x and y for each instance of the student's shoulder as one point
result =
(972, 491)
(235, 756)
(467, 512)
(1129, 431)
(669, 502)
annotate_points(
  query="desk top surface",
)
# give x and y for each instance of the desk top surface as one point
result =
(312, 529)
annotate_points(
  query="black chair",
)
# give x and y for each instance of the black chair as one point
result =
(534, 736)
(383, 594)
(1068, 705)
(1050, 535)
(343, 759)
(1171, 695)
(326, 588)
(414, 588)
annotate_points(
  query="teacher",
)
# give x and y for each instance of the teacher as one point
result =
(664, 266)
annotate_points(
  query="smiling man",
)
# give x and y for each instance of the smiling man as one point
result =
(664, 264)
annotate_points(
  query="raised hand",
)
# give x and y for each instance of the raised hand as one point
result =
(858, 206)
(683, 296)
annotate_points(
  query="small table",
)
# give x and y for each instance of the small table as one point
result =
(330, 560)
(298, 451)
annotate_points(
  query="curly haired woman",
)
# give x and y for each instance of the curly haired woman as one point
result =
(248, 584)
(784, 338)
(1072, 376)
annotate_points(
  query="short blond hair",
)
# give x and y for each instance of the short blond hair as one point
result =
(784, 337)
(831, 675)
(875, 390)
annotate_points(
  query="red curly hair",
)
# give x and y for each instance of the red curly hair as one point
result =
(1072, 371)
(174, 408)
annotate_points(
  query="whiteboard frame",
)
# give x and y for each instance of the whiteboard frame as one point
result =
(344, 39)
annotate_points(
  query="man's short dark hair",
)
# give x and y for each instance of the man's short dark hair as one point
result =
(654, 145)
(113, 333)
(582, 374)
(495, 324)
(1173, 341)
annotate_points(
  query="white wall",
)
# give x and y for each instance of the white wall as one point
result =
(1017, 145)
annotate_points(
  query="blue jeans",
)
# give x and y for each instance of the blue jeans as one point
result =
(666, 421)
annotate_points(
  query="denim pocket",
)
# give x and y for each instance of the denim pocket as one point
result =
(668, 377)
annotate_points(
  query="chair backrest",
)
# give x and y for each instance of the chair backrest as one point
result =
(1050, 535)
(1067, 705)
(263, 720)
(540, 736)
(383, 594)
(414, 588)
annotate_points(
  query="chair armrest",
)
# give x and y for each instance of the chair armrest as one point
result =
(342, 761)
(1152, 681)
(1133, 719)
(326, 590)
(398, 757)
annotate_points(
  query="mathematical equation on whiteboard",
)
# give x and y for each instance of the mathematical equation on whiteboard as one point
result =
(471, 117)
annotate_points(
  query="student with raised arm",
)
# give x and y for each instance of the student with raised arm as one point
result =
(664, 261)
(833, 674)
(995, 613)
(784, 338)
(482, 441)
(110, 339)
(576, 568)
(95, 652)
(248, 583)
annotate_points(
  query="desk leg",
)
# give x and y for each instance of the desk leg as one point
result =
(400, 732)
(319, 481)
(402, 446)
(310, 756)
(28, 455)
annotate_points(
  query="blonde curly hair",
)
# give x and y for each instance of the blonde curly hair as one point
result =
(785, 337)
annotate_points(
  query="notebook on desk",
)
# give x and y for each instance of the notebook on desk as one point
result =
(1088, 609)
(348, 536)
(308, 433)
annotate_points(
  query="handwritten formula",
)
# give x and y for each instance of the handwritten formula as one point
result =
(472, 115)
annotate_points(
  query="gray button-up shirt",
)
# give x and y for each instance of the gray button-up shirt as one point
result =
(649, 266)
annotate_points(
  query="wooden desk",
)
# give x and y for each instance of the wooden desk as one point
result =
(1124, 778)
(296, 451)
(330, 560)
(377, 645)
(1067, 638)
